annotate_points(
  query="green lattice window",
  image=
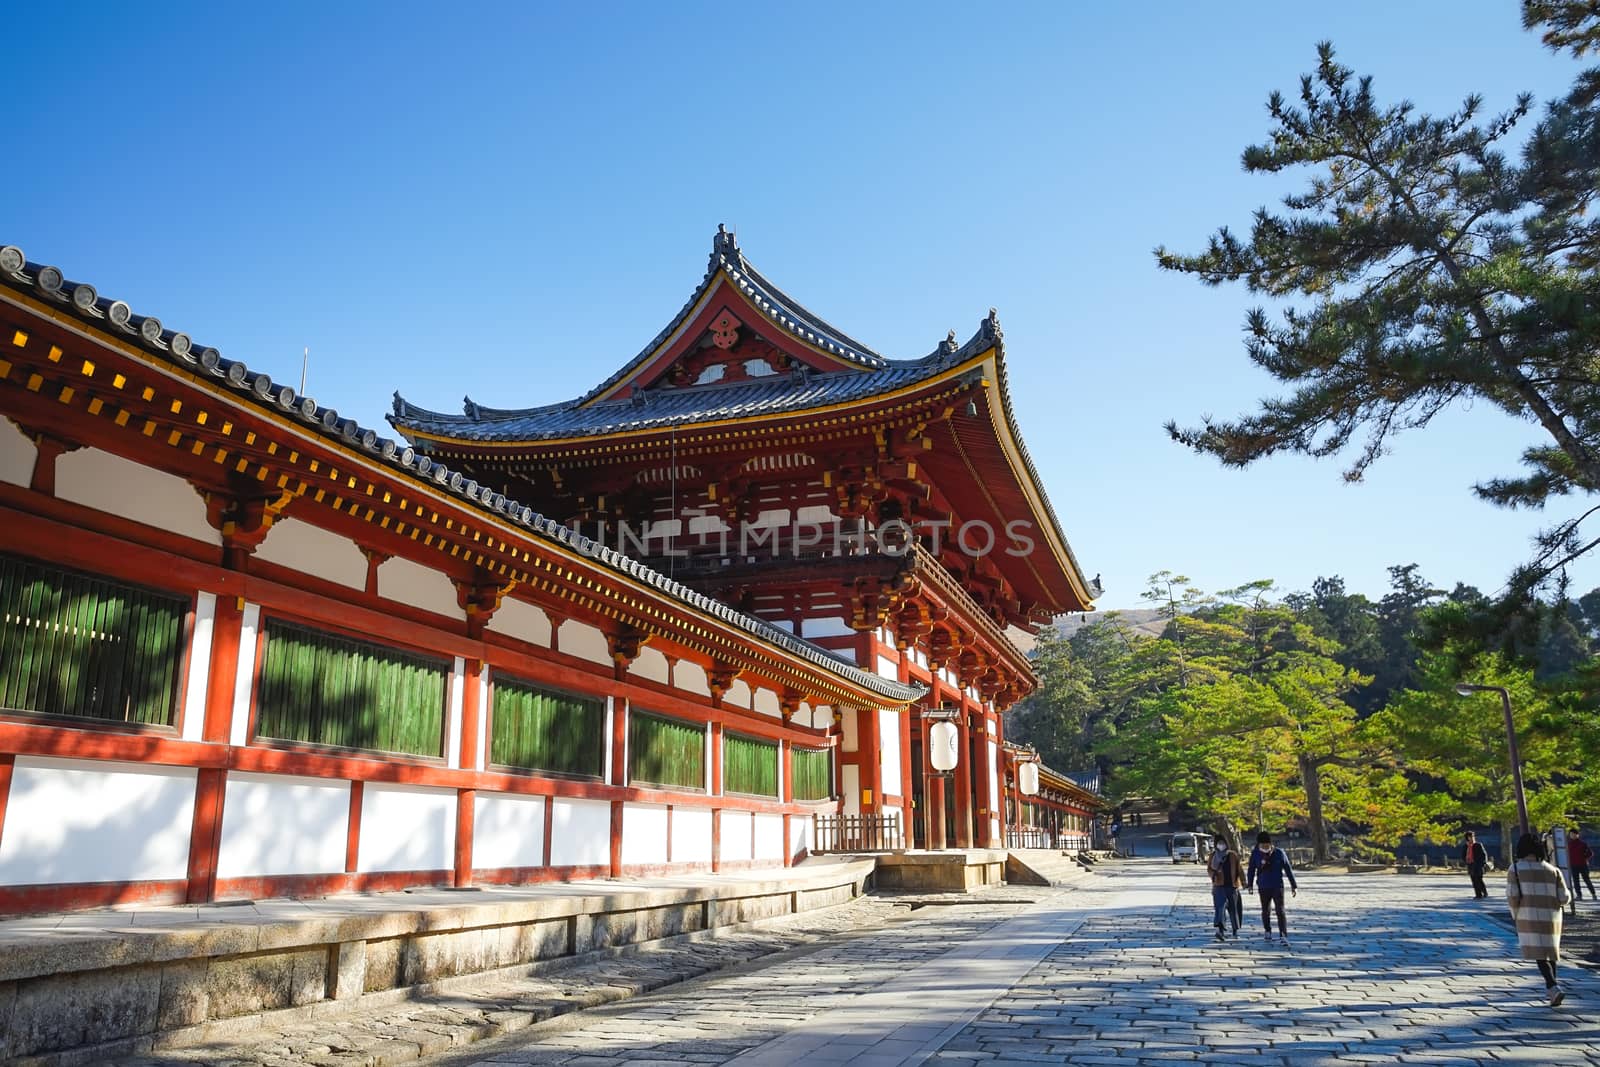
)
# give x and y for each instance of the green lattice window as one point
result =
(324, 689)
(749, 765)
(664, 751)
(813, 773)
(77, 645)
(543, 730)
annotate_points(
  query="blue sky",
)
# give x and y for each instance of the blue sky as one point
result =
(511, 202)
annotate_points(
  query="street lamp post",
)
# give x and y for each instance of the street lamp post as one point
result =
(1467, 689)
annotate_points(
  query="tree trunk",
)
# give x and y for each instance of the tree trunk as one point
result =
(1223, 827)
(1311, 778)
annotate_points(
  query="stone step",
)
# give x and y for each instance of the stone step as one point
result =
(1042, 866)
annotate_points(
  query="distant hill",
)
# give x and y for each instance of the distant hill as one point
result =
(1147, 621)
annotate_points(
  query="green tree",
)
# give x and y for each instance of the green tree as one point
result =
(1422, 267)
(1459, 744)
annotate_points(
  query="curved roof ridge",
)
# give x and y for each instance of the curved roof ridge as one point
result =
(259, 390)
(688, 405)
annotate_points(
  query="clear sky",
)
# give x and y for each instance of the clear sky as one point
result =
(509, 200)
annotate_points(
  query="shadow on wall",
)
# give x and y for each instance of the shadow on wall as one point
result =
(73, 821)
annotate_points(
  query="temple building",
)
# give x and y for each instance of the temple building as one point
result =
(884, 509)
(760, 583)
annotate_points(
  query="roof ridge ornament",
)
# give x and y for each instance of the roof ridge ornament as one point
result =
(725, 245)
(949, 344)
(991, 326)
(470, 409)
(399, 405)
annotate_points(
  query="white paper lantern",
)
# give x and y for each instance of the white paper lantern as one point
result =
(1028, 779)
(944, 746)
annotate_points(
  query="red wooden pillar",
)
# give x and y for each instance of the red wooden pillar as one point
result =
(224, 670)
(786, 768)
(619, 776)
(715, 775)
(7, 766)
(982, 772)
(205, 831)
(352, 841)
(963, 784)
(467, 799)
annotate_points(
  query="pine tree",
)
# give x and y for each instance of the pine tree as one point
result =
(1423, 267)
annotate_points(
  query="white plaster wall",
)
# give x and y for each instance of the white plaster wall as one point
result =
(830, 626)
(452, 718)
(651, 665)
(850, 781)
(815, 513)
(410, 583)
(515, 618)
(994, 776)
(244, 675)
(850, 734)
(110, 483)
(644, 833)
(507, 831)
(691, 835)
(17, 454)
(821, 716)
(274, 824)
(771, 517)
(580, 833)
(738, 694)
(766, 703)
(312, 550)
(194, 694)
(407, 828)
(88, 821)
(584, 641)
(690, 677)
(888, 668)
(769, 837)
(799, 834)
(889, 750)
(736, 836)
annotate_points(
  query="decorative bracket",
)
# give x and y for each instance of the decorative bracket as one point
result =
(244, 522)
(721, 678)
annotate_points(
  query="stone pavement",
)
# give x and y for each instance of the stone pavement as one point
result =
(1119, 969)
(1384, 969)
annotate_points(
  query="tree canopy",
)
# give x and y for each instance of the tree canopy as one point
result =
(1427, 261)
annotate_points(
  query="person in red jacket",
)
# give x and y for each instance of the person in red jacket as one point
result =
(1578, 856)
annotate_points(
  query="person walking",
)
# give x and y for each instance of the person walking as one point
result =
(1578, 856)
(1537, 894)
(1269, 866)
(1477, 858)
(1226, 878)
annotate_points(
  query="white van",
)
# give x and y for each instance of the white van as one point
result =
(1185, 848)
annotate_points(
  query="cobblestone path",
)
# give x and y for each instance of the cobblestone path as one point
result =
(1384, 969)
(1120, 968)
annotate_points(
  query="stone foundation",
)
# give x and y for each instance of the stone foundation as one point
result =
(130, 987)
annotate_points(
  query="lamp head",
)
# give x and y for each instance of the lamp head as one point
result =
(1465, 690)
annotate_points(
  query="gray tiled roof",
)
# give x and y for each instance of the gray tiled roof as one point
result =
(256, 389)
(871, 375)
(774, 394)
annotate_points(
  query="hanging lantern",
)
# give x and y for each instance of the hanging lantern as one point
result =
(1028, 779)
(944, 746)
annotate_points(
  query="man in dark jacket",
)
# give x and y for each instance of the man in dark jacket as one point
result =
(1269, 866)
(1477, 858)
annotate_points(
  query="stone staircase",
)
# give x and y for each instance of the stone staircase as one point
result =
(1042, 866)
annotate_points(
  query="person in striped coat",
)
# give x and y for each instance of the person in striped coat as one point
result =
(1537, 894)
